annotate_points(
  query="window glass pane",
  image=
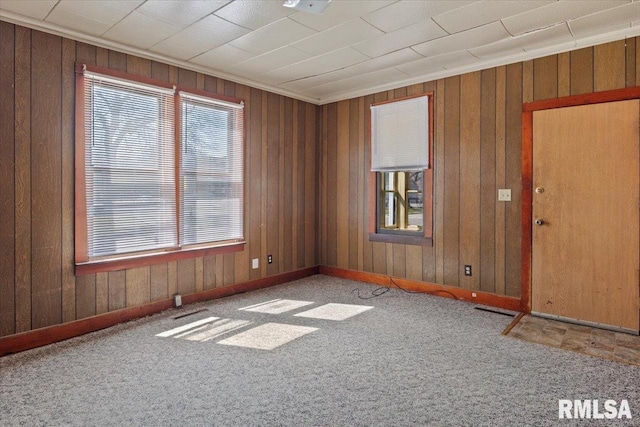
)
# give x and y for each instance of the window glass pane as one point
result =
(211, 172)
(401, 202)
(129, 168)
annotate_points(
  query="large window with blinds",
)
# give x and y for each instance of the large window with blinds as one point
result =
(401, 171)
(159, 169)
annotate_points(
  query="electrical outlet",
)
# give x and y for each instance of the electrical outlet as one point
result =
(504, 195)
(255, 263)
(467, 270)
(177, 300)
(269, 259)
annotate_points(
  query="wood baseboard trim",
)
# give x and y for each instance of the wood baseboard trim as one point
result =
(485, 298)
(40, 337)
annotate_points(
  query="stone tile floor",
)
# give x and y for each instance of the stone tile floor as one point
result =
(618, 346)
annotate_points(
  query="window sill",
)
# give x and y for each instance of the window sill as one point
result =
(402, 239)
(134, 261)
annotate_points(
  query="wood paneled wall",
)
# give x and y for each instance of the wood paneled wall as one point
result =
(477, 137)
(37, 283)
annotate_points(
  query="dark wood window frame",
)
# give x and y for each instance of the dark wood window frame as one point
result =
(85, 265)
(426, 239)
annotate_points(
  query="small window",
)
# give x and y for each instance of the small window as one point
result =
(401, 173)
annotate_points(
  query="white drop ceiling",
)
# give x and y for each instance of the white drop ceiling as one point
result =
(356, 47)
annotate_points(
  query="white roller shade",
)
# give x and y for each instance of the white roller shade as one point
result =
(129, 166)
(400, 135)
(211, 152)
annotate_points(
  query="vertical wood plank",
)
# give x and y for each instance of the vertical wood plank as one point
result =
(242, 258)
(311, 185)
(273, 187)
(439, 177)
(68, 184)
(117, 290)
(429, 252)
(86, 296)
(361, 191)
(501, 84)
(158, 282)
(332, 185)
(379, 250)
(172, 277)
(287, 165)
(209, 272)
(86, 53)
(295, 185)
(513, 175)
(282, 186)
(117, 60)
(324, 153)
(254, 209)
(7, 183)
(229, 269)
(22, 179)
(582, 71)
(186, 275)
(564, 74)
(199, 274)
(342, 185)
(630, 61)
(138, 66)
(367, 248)
(470, 177)
(46, 167)
(263, 188)
(488, 189)
(102, 292)
(609, 70)
(352, 184)
(159, 71)
(545, 77)
(219, 271)
(138, 286)
(452, 182)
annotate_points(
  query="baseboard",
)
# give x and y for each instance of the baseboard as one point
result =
(51, 334)
(485, 298)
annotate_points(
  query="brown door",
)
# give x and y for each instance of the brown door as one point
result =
(585, 255)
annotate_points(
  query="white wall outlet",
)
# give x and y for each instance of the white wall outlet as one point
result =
(177, 300)
(504, 195)
(255, 263)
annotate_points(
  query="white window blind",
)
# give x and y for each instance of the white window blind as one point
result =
(400, 135)
(211, 170)
(129, 166)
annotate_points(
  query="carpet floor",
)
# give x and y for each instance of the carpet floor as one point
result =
(309, 353)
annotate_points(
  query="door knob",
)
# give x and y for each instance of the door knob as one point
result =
(539, 221)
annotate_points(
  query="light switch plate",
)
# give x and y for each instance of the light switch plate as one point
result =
(254, 263)
(504, 195)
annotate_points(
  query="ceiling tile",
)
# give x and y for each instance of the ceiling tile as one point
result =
(484, 12)
(407, 12)
(386, 61)
(38, 9)
(222, 57)
(475, 37)
(558, 34)
(338, 12)
(337, 37)
(140, 31)
(608, 20)
(555, 13)
(180, 12)
(400, 39)
(373, 80)
(273, 36)
(204, 35)
(270, 61)
(254, 14)
(67, 18)
(437, 63)
(328, 62)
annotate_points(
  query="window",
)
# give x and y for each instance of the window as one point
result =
(158, 171)
(401, 175)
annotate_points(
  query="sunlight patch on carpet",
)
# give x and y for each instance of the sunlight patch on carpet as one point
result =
(276, 306)
(333, 311)
(268, 336)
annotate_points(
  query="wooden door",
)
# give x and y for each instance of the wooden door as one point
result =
(585, 254)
